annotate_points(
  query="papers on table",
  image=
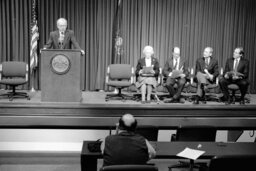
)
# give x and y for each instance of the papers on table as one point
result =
(191, 153)
(176, 73)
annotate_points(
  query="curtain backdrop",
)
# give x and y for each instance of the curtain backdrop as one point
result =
(190, 24)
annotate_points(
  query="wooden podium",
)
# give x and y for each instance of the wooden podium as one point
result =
(61, 75)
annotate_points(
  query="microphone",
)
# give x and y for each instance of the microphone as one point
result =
(61, 39)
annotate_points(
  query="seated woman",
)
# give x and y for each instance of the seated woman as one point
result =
(147, 71)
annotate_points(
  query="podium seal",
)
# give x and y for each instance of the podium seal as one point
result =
(60, 64)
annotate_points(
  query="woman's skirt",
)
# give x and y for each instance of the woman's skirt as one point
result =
(146, 80)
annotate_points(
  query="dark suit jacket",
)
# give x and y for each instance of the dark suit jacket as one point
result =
(168, 67)
(142, 62)
(243, 66)
(212, 68)
(69, 39)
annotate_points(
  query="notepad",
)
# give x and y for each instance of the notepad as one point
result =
(147, 70)
(190, 153)
(176, 73)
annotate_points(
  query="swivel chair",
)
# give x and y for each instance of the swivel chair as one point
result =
(129, 168)
(193, 133)
(234, 163)
(234, 88)
(13, 74)
(211, 91)
(119, 76)
(149, 132)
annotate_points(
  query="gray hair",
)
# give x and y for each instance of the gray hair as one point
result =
(208, 47)
(60, 20)
(148, 49)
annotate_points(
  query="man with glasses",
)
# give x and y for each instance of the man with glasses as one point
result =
(176, 72)
(236, 72)
(62, 38)
(206, 73)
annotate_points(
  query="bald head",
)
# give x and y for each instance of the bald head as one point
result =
(176, 52)
(127, 122)
(208, 52)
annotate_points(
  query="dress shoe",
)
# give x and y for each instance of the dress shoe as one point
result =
(196, 101)
(174, 100)
(182, 100)
(203, 99)
(223, 99)
(143, 102)
(228, 102)
(168, 100)
(148, 101)
(242, 102)
(233, 101)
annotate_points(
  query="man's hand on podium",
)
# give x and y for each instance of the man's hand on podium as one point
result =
(82, 51)
(42, 49)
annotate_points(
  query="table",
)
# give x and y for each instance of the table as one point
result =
(168, 150)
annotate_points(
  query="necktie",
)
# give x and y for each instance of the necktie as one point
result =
(235, 65)
(61, 39)
(206, 62)
(175, 64)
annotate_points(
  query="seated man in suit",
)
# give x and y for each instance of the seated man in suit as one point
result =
(126, 147)
(206, 73)
(62, 38)
(236, 72)
(176, 71)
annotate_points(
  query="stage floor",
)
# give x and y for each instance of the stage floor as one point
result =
(94, 112)
(98, 97)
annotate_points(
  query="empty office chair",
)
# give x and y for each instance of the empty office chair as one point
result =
(129, 168)
(13, 74)
(119, 76)
(149, 132)
(232, 163)
(193, 133)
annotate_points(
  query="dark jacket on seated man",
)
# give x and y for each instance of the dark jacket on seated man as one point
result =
(176, 72)
(235, 74)
(207, 70)
(126, 147)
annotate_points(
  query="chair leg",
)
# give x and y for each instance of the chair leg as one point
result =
(233, 96)
(118, 96)
(14, 94)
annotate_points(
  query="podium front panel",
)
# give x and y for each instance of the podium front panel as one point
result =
(61, 76)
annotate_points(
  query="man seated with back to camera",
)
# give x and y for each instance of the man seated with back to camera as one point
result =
(207, 70)
(126, 147)
(176, 72)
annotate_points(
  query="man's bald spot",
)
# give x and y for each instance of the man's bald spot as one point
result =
(128, 119)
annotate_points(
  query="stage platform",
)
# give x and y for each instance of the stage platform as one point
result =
(93, 112)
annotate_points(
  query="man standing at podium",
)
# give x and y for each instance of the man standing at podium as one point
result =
(62, 38)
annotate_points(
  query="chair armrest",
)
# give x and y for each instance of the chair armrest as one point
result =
(221, 75)
(27, 72)
(191, 76)
(107, 75)
(133, 77)
(160, 77)
(1, 69)
(217, 80)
